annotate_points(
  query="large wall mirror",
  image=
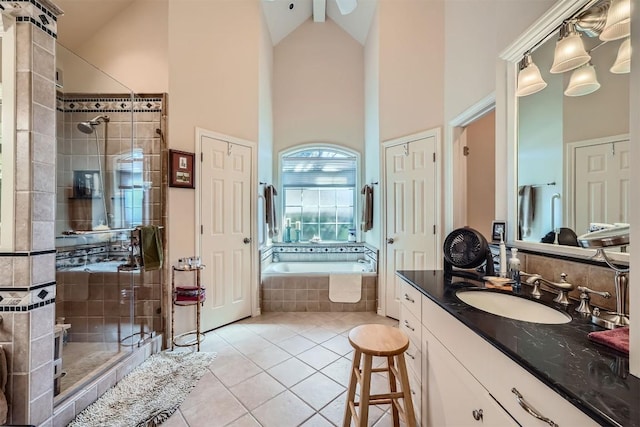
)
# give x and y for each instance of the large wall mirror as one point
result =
(570, 92)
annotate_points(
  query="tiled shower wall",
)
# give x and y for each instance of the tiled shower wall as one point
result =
(27, 282)
(77, 151)
(93, 303)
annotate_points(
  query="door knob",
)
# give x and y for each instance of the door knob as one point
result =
(246, 240)
(390, 240)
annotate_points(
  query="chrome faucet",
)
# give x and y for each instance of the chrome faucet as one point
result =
(562, 286)
(584, 306)
(534, 280)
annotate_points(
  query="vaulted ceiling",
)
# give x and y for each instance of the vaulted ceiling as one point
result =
(82, 18)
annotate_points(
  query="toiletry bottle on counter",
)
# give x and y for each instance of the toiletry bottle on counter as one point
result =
(514, 268)
(503, 257)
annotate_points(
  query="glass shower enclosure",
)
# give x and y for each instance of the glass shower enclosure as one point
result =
(108, 181)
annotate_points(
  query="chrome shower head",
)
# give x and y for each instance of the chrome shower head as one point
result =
(87, 127)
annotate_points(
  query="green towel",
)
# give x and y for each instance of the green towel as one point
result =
(151, 243)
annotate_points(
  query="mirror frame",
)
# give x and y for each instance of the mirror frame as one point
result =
(506, 121)
(7, 190)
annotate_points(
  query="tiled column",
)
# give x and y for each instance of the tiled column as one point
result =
(27, 282)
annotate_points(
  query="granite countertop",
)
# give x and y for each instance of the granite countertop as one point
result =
(592, 376)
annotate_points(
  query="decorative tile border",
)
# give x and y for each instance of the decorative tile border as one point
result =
(327, 252)
(42, 16)
(318, 248)
(122, 104)
(20, 299)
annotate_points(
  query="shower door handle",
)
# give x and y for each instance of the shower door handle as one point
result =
(246, 240)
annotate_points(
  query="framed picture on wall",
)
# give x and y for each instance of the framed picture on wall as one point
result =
(181, 169)
(498, 228)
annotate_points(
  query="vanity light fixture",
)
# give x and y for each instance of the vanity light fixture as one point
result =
(529, 79)
(583, 81)
(622, 65)
(570, 52)
(618, 23)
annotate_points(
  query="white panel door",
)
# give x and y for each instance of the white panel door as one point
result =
(410, 213)
(225, 240)
(601, 184)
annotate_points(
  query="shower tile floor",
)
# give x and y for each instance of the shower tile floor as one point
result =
(82, 360)
(280, 370)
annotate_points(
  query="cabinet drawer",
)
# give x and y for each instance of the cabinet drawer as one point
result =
(416, 395)
(410, 325)
(413, 357)
(410, 298)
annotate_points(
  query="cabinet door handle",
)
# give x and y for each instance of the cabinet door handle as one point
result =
(477, 414)
(410, 355)
(408, 298)
(532, 411)
(408, 326)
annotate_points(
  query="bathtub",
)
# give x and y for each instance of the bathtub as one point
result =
(317, 268)
(304, 286)
(99, 267)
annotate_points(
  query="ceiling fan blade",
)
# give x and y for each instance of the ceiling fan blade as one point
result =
(347, 6)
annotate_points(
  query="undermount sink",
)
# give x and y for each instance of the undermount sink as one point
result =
(513, 307)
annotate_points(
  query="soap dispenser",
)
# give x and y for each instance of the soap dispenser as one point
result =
(503, 256)
(514, 268)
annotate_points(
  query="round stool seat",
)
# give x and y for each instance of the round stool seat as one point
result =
(378, 340)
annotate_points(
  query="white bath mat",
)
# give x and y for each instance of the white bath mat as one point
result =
(345, 287)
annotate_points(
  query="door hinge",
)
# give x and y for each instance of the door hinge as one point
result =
(201, 229)
(465, 150)
(434, 157)
(434, 229)
(201, 157)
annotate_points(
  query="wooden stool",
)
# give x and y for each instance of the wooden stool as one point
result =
(383, 341)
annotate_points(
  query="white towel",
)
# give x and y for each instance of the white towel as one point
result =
(527, 208)
(345, 287)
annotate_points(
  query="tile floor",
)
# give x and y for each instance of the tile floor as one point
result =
(281, 370)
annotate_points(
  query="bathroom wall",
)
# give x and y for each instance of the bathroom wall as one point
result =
(96, 304)
(214, 66)
(127, 133)
(27, 282)
(318, 93)
(481, 138)
(132, 47)
(411, 77)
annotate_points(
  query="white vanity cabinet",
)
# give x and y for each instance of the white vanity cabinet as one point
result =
(461, 373)
(453, 396)
(411, 324)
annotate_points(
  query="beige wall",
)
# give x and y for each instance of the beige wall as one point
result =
(411, 80)
(372, 124)
(265, 113)
(475, 33)
(481, 136)
(132, 47)
(214, 84)
(318, 88)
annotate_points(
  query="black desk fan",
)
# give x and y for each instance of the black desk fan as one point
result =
(465, 248)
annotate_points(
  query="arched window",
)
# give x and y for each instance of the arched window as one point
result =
(319, 192)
